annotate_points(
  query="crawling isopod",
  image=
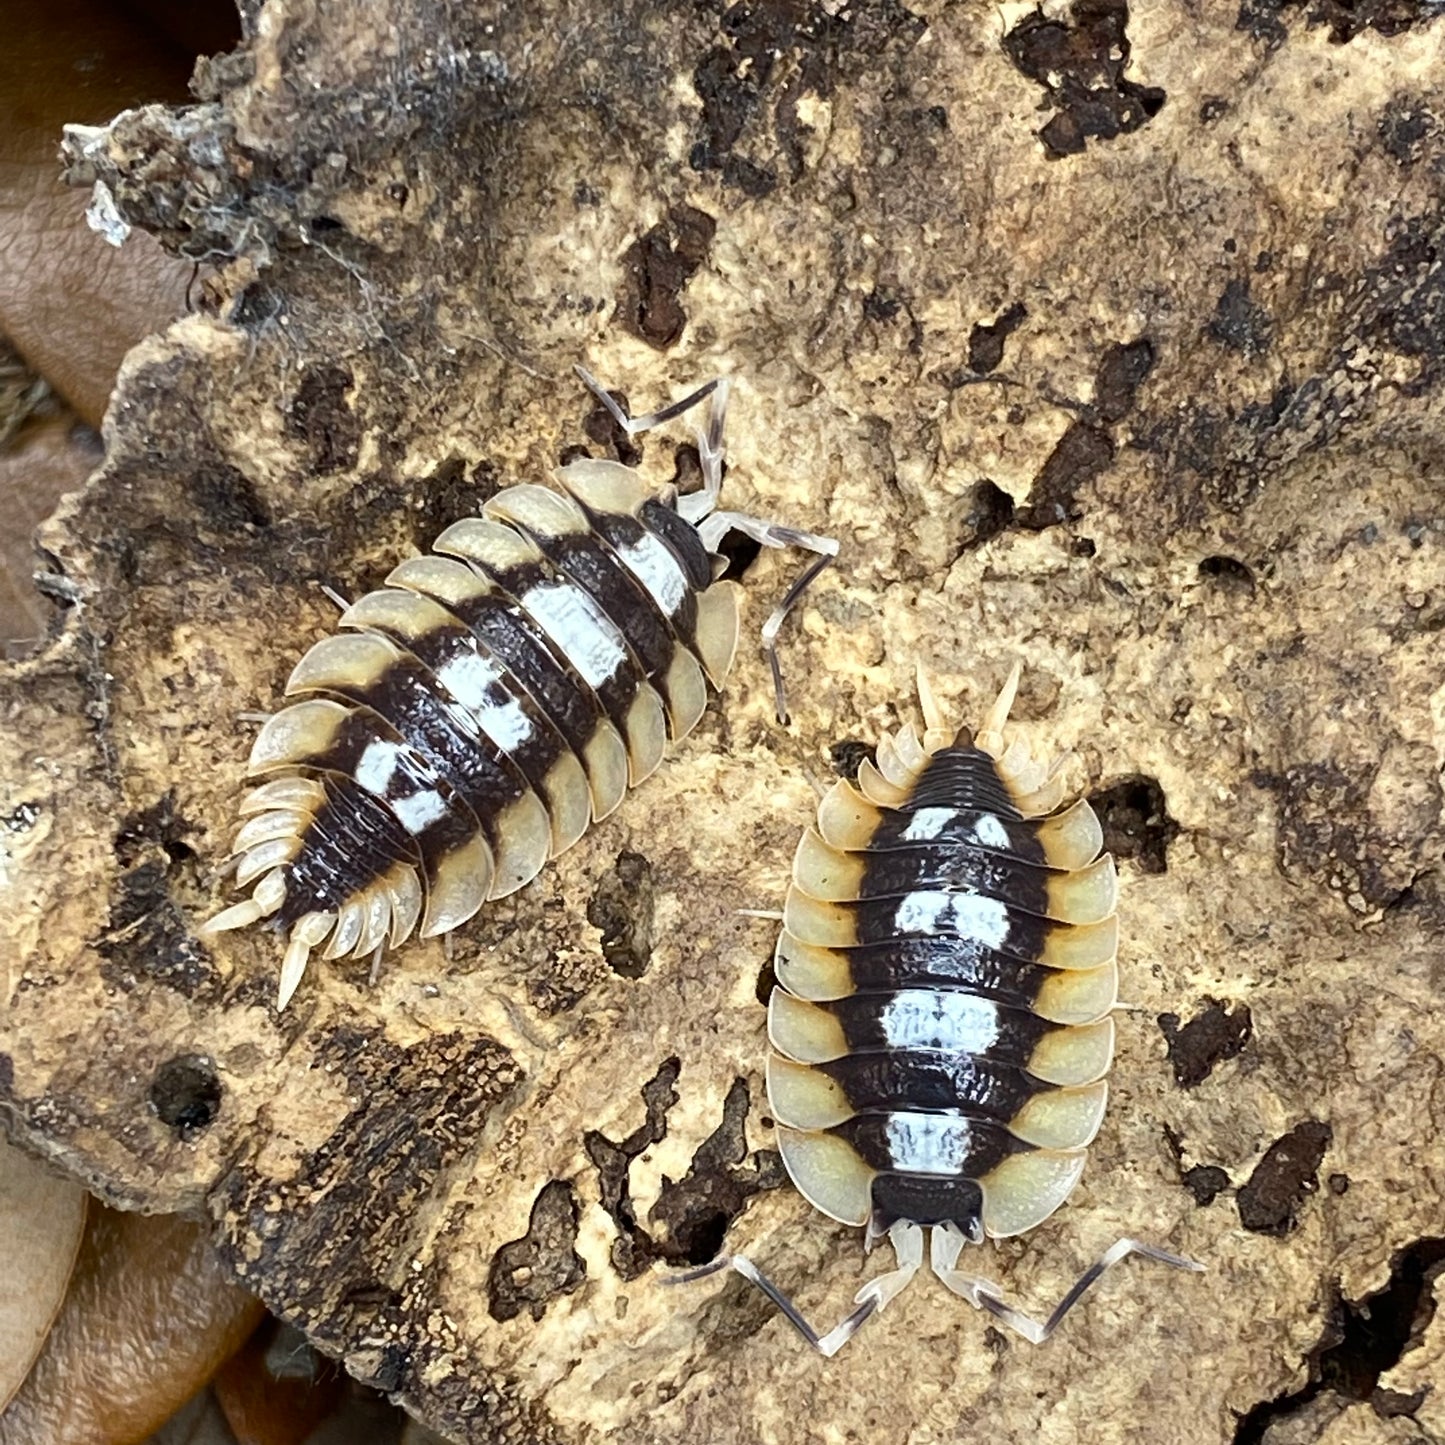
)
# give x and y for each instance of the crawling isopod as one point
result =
(492, 700)
(940, 1032)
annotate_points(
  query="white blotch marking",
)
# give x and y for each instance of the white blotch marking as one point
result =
(925, 1018)
(930, 911)
(419, 811)
(470, 678)
(376, 770)
(507, 724)
(920, 912)
(990, 832)
(928, 1143)
(657, 569)
(578, 626)
(927, 823)
(475, 682)
(376, 765)
(980, 918)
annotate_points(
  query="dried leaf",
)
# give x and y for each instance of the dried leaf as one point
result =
(149, 1318)
(42, 1218)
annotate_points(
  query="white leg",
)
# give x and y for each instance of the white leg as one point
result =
(944, 1249)
(773, 534)
(907, 1241)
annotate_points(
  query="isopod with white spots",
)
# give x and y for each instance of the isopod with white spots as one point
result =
(941, 1026)
(492, 700)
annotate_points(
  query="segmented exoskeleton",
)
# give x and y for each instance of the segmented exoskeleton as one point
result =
(940, 1029)
(492, 700)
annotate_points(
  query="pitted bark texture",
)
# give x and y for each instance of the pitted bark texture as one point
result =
(1145, 388)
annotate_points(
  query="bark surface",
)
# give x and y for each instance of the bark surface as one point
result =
(1111, 341)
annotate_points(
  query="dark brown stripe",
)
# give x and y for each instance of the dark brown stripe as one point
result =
(593, 566)
(953, 866)
(961, 778)
(945, 962)
(438, 729)
(1023, 837)
(926, 1199)
(988, 1144)
(616, 692)
(620, 531)
(923, 1079)
(502, 628)
(350, 843)
(681, 539)
(412, 775)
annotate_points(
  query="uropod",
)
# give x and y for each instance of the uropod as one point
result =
(492, 700)
(940, 1032)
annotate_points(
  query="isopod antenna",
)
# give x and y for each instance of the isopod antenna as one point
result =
(944, 1247)
(907, 1241)
(700, 508)
(947, 1242)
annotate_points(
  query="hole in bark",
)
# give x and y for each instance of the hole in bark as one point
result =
(145, 935)
(529, 1273)
(320, 415)
(1289, 1172)
(1229, 572)
(1136, 822)
(600, 427)
(692, 1215)
(622, 906)
(632, 1250)
(186, 1094)
(1206, 1182)
(1082, 70)
(990, 511)
(1083, 453)
(849, 755)
(1362, 1340)
(767, 982)
(1121, 372)
(986, 343)
(740, 552)
(657, 268)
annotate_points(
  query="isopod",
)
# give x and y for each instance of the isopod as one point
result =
(940, 1031)
(493, 699)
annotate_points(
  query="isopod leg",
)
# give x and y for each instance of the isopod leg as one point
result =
(907, 1241)
(943, 1255)
(772, 534)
